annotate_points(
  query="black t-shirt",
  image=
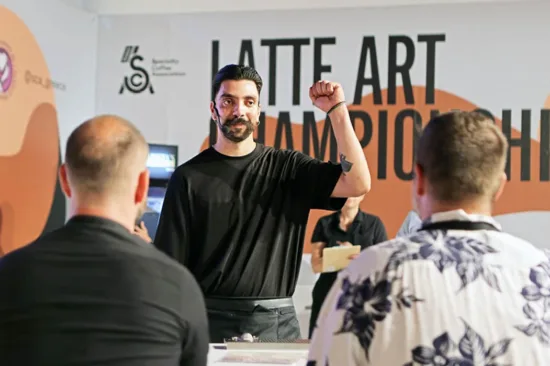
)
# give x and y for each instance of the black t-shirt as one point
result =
(91, 293)
(365, 230)
(238, 223)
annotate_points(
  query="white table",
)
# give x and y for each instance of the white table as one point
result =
(218, 351)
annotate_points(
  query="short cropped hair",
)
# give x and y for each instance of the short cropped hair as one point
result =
(236, 72)
(462, 156)
(99, 158)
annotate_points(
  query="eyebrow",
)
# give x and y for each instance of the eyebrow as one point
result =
(227, 95)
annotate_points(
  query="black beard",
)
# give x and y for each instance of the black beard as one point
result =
(231, 136)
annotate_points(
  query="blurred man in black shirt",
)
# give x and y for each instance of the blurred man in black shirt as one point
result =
(92, 292)
(349, 226)
(236, 213)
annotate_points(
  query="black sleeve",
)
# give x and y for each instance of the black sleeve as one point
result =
(172, 236)
(196, 341)
(315, 180)
(380, 234)
(318, 233)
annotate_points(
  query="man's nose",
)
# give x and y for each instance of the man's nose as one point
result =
(238, 110)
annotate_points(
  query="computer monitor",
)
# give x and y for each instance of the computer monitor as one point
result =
(155, 198)
(151, 215)
(161, 162)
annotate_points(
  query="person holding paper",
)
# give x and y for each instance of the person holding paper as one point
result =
(347, 227)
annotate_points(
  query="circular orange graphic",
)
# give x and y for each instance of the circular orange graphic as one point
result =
(29, 135)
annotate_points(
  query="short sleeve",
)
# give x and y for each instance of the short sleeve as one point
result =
(315, 180)
(380, 233)
(319, 234)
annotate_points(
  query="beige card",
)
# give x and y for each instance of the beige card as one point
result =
(337, 258)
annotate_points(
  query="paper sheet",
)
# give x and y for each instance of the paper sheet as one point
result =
(337, 258)
(262, 358)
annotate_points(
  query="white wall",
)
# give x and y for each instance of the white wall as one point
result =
(68, 38)
(196, 6)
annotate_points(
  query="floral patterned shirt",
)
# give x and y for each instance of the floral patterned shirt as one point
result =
(439, 297)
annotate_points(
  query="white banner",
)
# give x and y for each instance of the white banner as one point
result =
(397, 67)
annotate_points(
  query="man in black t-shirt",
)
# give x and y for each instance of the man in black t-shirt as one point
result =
(349, 226)
(92, 292)
(236, 213)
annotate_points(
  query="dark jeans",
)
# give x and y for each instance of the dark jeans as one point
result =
(269, 320)
(315, 310)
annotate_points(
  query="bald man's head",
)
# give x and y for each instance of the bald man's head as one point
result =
(105, 155)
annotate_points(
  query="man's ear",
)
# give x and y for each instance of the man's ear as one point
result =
(419, 184)
(503, 180)
(64, 181)
(213, 113)
(142, 187)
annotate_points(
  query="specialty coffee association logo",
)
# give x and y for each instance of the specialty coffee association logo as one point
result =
(6, 70)
(141, 78)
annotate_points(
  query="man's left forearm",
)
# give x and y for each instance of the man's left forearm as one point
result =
(354, 164)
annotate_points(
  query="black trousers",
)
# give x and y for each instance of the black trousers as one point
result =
(320, 291)
(315, 310)
(269, 320)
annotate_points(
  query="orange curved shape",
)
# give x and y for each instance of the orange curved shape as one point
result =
(29, 136)
(390, 198)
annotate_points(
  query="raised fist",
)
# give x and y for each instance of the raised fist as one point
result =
(326, 94)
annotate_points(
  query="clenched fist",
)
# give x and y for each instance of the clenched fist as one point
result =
(326, 94)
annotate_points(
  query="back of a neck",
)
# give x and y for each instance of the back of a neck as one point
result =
(104, 213)
(471, 208)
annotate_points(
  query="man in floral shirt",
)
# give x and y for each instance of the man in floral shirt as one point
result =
(457, 292)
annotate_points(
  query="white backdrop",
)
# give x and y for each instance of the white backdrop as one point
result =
(127, 7)
(493, 57)
(484, 61)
